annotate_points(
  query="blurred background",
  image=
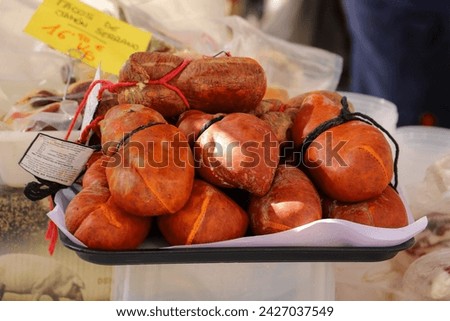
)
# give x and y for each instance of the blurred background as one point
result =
(397, 50)
(391, 56)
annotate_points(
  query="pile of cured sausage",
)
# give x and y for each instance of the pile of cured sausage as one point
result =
(200, 150)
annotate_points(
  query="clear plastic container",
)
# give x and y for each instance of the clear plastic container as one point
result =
(420, 147)
(13, 145)
(381, 110)
(428, 277)
(224, 281)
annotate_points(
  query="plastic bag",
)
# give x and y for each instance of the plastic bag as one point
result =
(432, 195)
(428, 277)
(54, 116)
(29, 64)
(293, 67)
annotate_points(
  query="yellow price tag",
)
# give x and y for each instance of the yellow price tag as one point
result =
(83, 32)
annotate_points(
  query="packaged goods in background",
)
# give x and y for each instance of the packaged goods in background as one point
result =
(205, 28)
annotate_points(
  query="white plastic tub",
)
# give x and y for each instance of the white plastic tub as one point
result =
(420, 147)
(13, 145)
(381, 110)
(224, 281)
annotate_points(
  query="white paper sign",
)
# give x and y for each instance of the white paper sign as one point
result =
(92, 101)
(55, 160)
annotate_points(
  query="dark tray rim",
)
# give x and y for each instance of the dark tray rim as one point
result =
(236, 254)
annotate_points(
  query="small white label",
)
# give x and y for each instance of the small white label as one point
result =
(55, 160)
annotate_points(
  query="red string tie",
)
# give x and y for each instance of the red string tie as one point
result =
(114, 87)
(51, 234)
(85, 133)
(169, 76)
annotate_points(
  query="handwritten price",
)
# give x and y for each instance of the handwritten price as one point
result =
(84, 43)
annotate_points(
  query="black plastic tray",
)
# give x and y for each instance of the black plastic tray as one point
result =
(236, 254)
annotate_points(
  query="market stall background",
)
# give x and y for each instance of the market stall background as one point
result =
(34, 65)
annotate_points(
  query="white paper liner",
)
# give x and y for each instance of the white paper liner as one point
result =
(321, 233)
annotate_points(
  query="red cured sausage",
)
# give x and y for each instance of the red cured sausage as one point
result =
(351, 162)
(315, 109)
(386, 210)
(96, 220)
(152, 171)
(122, 119)
(210, 84)
(208, 216)
(239, 151)
(291, 201)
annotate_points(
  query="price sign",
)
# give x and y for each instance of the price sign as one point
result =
(83, 32)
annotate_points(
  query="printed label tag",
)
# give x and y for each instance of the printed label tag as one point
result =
(55, 159)
(85, 33)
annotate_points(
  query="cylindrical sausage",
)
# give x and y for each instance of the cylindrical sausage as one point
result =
(210, 84)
